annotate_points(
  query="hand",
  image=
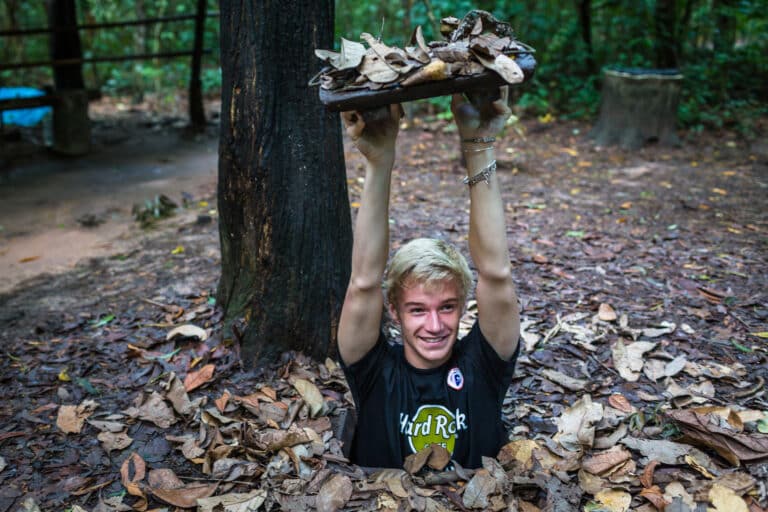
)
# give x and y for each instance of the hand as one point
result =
(374, 132)
(481, 116)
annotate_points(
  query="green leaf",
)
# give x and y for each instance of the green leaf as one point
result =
(104, 321)
(211, 301)
(575, 234)
(740, 346)
(86, 385)
(762, 425)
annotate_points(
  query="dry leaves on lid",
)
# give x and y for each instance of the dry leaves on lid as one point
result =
(71, 418)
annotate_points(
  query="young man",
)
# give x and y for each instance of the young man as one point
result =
(433, 388)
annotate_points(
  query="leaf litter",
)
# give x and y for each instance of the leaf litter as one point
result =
(631, 392)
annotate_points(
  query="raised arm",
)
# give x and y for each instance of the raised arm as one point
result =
(479, 121)
(374, 134)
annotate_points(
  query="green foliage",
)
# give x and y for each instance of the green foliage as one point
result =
(721, 47)
(153, 210)
(721, 50)
(133, 77)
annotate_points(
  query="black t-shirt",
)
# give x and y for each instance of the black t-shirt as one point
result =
(401, 409)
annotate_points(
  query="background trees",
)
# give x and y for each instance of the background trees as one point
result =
(720, 45)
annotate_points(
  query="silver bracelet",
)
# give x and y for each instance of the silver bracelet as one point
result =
(484, 175)
(475, 150)
(480, 139)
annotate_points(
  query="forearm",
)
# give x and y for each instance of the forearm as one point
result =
(487, 225)
(371, 236)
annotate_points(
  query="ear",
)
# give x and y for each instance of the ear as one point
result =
(393, 314)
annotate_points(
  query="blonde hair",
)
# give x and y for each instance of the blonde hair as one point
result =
(428, 261)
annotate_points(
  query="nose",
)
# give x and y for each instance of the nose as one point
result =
(434, 323)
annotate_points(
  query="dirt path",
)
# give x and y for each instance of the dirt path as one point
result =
(49, 206)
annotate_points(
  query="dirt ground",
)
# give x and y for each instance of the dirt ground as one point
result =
(57, 211)
(664, 236)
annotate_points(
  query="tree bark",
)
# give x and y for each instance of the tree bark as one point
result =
(285, 225)
(65, 44)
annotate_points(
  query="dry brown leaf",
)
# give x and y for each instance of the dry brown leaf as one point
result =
(194, 380)
(618, 401)
(136, 465)
(114, 441)
(606, 313)
(349, 58)
(725, 500)
(334, 494)
(476, 494)
(520, 451)
(177, 395)
(564, 380)
(576, 425)
(185, 497)
(415, 461)
(592, 484)
(654, 495)
(675, 490)
(222, 401)
(715, 432)
(155, 410)
(615, 501)
(439, 458)
(311, 395)
(187, 331)
(740, 482)
(647, 477)
(71, 418)
(628, 359)
(666, 452)
(435, 70)
(606, 462)
(234, 502)
(108, 426)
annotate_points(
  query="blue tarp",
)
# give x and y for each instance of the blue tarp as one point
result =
(27, 116)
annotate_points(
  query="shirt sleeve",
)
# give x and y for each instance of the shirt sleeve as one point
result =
(362, 374)
(483, 356)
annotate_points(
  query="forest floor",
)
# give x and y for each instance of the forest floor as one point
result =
(642, 277)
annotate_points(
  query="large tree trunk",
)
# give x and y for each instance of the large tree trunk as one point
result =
(71, 125)
(285, 226)
(65, 44)
(584, 8)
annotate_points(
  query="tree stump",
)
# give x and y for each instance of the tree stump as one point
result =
(638, 105)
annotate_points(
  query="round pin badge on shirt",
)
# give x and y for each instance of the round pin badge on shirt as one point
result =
(455, 379)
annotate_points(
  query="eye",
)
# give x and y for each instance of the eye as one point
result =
(416, 311)
(448, 308)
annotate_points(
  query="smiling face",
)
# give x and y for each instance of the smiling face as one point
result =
(428, 315)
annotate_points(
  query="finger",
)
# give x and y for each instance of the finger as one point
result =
(396, 111)
(457, 100)
(504, 93)
(354, 123)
